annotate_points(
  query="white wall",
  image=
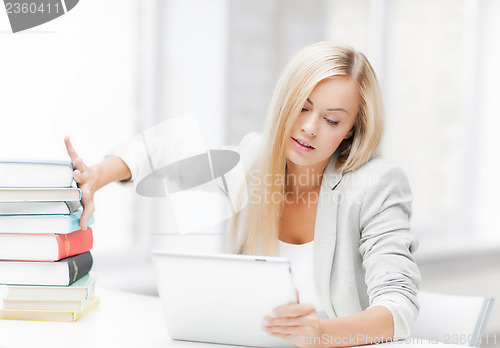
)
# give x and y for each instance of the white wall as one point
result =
(75, 75)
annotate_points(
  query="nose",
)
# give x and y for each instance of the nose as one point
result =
(309, 125)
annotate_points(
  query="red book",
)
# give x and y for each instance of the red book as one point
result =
(44, 247)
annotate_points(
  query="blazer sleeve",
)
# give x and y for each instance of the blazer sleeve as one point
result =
(387, 246)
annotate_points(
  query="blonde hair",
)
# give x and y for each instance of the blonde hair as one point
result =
(309, 66)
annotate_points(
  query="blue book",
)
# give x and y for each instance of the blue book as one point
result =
(35, 174)
(53, 224)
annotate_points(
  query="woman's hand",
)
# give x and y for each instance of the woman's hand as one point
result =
(86, 178)
(298, 323)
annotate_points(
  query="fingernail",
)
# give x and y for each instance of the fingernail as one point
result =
(273, 315)
(265, 322)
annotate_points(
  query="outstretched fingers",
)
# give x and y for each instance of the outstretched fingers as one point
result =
(88, 208)
(70, 149)
(81, 176)
(76, 160)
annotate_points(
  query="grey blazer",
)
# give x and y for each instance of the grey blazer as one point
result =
(363, 245)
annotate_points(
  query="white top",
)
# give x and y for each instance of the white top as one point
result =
(301, 260)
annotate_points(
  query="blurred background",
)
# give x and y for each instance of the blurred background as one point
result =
(109, 69)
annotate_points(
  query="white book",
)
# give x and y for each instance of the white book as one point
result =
(39, 208)
(60, 194)
(82, 289)
(35, 174)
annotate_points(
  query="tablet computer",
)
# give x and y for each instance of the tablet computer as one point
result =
(222, 298)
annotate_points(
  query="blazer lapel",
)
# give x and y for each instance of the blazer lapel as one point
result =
(325, 235)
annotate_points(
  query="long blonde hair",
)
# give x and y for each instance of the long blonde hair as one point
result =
(258, 232)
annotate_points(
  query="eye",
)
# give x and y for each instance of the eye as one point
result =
(304, 110)
(333, 123)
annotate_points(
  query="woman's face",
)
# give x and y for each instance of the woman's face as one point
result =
(326, 119)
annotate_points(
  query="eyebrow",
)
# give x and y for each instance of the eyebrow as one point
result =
(338, 109)
(332, 109)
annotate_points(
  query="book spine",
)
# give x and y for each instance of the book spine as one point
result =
(74, 220)
(72, 206)
(74, 243)
(78, 266)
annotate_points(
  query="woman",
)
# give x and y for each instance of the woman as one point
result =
(333, 206)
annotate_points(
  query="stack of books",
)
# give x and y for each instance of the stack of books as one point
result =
(45, 258)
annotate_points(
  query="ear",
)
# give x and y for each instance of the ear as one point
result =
(349, 134)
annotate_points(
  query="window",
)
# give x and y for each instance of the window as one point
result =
(436, 64)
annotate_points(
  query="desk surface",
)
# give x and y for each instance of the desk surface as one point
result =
(121, 320)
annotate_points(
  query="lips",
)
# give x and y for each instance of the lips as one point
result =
(303, 143)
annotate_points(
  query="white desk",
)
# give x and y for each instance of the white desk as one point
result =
(121, 320)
